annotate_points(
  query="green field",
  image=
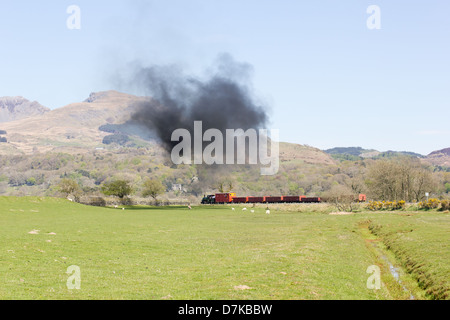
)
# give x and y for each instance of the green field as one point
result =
(213, 252)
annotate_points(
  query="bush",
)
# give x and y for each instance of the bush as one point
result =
(126, 201)
(386, 205)
(445, 205)
(430, 204)
(96, 201)
(31, 181)
(69, 187)
(118, 188)
(398, 205)
(374, 205)
(17, 180)
(153, 188)
(120, 139)
(110, 128)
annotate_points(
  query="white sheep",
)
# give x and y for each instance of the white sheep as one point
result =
(69, 199)
(252, 211)
(232, 209)
(244, 209)
(267, 211)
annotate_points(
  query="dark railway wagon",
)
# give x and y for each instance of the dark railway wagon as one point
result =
(274, 199)
(290, 199)
(256, 199)
(310, 199)
(240, 199)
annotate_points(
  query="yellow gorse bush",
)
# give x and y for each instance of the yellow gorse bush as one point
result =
(386, 205)
(432, 203)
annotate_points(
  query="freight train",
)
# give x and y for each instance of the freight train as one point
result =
(222, 198)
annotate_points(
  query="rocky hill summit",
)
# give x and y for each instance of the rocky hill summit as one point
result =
(443, 152)
(440, 157)
(16, 108)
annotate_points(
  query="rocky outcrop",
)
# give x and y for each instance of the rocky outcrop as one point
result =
(15, 108)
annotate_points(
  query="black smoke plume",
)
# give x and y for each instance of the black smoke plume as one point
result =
(222, 100)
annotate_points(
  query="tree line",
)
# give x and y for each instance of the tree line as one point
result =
(117, 188)
(400, 178)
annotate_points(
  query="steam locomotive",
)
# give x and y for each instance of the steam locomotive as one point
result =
(222, 198)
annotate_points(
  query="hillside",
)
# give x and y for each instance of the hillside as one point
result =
(354, 151)
(93, 142)
(73, 128)
(443, 152)
(293, 152)
(16, 108)
(358, 153)
(68, 142)
(439, 157)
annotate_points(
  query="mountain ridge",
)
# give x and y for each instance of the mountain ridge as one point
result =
(77, 128)
(72, 128)
(436, 158)
(368, 153)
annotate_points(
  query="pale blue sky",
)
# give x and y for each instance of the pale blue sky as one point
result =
(329, 80)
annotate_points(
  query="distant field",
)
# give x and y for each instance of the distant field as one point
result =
(216, 253)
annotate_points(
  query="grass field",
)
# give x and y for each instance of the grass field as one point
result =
(217, 253)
